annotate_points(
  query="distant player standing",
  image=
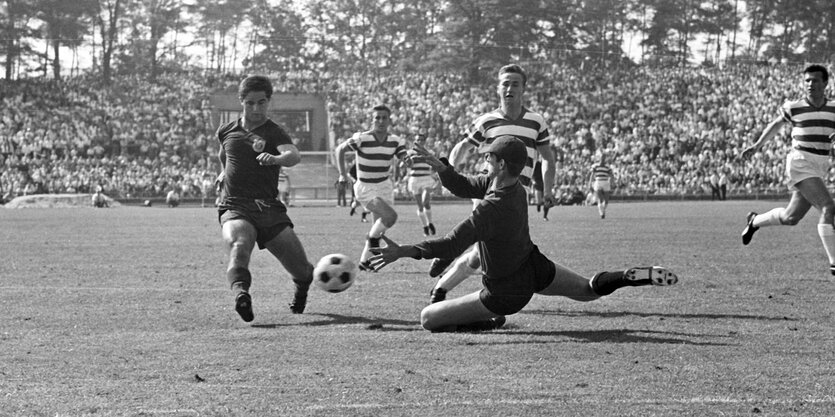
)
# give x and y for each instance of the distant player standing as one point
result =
(511, 118)
(812, 121)
(600, 183)
(253, 149)
(375, 149)
(421, 182)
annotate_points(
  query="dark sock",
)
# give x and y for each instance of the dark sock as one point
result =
(605, 283)
(239, 278)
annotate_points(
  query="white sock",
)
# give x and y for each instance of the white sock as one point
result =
(422, 217)
(428, 213)
(377, 230)
(457, 273)
(769, 218)
(827, 234)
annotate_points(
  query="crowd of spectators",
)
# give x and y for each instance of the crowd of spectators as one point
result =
(664, 130)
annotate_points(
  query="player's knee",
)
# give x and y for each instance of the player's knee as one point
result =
(790, 219)
(828, 212)
(429, 319)
(389, 219)
(473, 262)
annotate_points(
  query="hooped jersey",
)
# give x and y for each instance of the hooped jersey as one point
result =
(530, 128)
(811, 126)
(373, 157)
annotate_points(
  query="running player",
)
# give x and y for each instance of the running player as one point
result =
(812, 121)
(375, 149)
(600, 183)
(253, 149)
(514, 268)
(421, 182)
(511, 118)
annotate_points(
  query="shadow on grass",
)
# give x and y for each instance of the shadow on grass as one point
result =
(341, 320)
(609, 336)
(612, 314)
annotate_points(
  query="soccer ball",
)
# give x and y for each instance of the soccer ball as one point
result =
(335, 272)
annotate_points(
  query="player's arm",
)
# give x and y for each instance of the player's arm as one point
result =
(221, 155)
(770, 131)
(450, 246)
(549, 170)
(288, 155)
(339, 152)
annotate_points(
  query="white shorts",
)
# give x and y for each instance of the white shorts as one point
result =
(598, 186)
(367, 191)
(283, 187)
(802, 165)
(418, 184)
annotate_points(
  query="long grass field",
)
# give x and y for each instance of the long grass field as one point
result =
(126, 312)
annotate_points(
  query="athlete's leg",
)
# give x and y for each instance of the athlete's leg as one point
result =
(420, 211)
(568, 283)
(288, 249)
(426, 200)
(384, 219)
(458, 311)
(814, 190)
(239, 236)
(464, 266)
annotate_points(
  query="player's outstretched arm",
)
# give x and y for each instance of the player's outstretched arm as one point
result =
(770, 131)
(390, 253)
(423, 155)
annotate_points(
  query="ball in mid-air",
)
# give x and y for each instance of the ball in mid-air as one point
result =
(335, 272)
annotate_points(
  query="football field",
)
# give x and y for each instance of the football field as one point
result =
(126, 312)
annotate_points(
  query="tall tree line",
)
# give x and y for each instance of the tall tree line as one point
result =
(149, 36)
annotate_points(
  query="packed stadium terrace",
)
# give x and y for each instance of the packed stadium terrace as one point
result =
(664, 130)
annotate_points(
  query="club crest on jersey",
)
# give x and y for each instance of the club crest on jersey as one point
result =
(258, 143)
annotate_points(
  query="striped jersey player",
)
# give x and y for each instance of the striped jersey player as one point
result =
(812, 121)
(514, 119)
(421, 182)
(600, 183)
(375, 150)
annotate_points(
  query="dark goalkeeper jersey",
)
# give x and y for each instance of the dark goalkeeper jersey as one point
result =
(244, 176)
(499, 225)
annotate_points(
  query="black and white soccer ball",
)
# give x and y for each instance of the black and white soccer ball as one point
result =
(335, 272)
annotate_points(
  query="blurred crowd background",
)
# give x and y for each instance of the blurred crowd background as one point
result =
(664, 130)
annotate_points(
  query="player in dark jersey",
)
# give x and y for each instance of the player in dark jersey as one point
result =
(513, 267)
(253, 149)
(513, 118)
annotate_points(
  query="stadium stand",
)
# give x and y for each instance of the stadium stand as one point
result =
(666, 130)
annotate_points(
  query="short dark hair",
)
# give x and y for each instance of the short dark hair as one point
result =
(381, 107)
(818, 68)
(255, 83)
(514, 69)
(513, 168)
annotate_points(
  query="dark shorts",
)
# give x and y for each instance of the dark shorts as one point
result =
(509, 295)
(269, 217)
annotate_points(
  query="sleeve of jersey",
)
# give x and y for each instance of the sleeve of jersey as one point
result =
(461, 186)
(785, 112)
(452, 245)
(354, 142)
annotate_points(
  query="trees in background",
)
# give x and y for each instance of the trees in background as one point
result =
(148, 36)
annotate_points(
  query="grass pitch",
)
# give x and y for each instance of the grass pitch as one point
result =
(126, 311)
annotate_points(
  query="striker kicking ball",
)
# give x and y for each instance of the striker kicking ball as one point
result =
(335, 272)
